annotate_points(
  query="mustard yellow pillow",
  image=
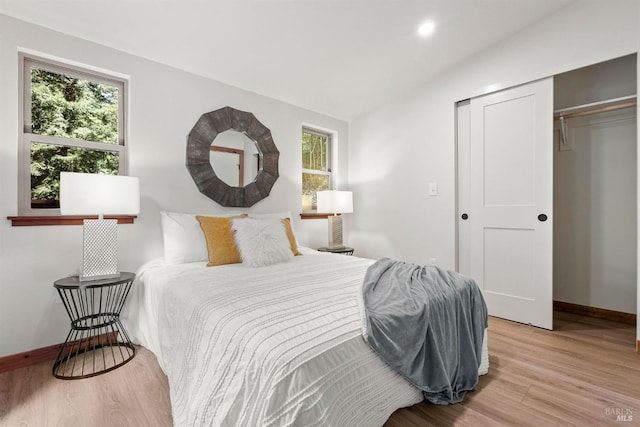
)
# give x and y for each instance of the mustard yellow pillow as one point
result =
(290, 236)
(219, 235)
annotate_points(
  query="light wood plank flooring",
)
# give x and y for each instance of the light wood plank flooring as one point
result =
(584, 373)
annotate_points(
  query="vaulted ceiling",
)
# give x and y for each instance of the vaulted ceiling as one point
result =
(338, 57)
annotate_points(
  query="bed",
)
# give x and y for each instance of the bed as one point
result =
(279, 345)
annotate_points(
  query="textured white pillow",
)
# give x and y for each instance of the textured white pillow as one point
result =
(276, 215)
(183, 238)
(261, 242)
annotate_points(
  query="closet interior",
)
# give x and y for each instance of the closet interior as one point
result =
(595, 194)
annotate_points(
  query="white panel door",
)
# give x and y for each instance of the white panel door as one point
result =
(463, 140)
(510, 202)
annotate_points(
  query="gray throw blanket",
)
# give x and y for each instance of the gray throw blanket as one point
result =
(428, 325)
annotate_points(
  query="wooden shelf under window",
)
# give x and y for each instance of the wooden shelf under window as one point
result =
(29, 220)
(313, 215)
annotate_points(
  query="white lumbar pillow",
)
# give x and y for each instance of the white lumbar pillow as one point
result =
(261, 242)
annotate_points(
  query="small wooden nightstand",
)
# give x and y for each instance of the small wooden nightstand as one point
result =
(97, 342)
(342, 251)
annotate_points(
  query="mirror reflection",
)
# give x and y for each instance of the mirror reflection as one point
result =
(235, 158)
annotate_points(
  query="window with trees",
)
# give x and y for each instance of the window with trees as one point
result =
(316, 166)
(73, 121)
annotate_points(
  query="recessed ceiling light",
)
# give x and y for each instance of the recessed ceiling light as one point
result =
(426, 28)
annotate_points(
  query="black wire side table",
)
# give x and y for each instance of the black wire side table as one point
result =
(97, 342)
(345, 250)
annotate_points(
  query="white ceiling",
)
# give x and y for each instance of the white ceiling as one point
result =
(338, 57)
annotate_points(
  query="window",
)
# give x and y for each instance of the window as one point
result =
(73, 120)
(316, 166)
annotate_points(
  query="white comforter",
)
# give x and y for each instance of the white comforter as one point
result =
(280, 345)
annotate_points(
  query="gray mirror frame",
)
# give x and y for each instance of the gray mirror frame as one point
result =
(204, 132)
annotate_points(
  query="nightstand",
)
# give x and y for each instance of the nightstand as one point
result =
(342, 251)
(97, 342)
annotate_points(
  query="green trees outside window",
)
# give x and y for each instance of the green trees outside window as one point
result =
(78, 112)
(316, 173)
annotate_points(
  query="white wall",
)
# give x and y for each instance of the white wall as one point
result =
(164, 105)
(605, 80)
(396, 150)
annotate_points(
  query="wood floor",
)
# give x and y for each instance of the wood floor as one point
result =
(584, 373)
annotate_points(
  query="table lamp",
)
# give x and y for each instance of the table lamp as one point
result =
(99, 194)
(335, 202)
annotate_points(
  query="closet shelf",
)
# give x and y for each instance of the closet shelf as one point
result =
(596, 107)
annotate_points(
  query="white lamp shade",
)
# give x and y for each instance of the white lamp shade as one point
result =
(335, 202)
(98, 194)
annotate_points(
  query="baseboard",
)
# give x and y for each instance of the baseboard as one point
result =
(28, 358)
(600, 313)
(44, 354)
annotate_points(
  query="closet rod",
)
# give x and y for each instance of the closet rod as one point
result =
(596, 107)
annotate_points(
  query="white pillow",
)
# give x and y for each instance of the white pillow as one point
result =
(276, 215)
(261, 242)
(183, 238)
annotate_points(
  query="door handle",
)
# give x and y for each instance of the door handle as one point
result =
(464, 216)
(542, 217)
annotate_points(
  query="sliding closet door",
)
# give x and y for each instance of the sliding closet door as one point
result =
(509, 216)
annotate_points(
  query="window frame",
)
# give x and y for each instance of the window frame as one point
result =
(329, 161)
(26, 137)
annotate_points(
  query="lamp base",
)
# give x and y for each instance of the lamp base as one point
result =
(84, 278)
(335, 232)
(100, 249)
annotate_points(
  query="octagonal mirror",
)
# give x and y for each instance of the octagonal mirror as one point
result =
(232, 158)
